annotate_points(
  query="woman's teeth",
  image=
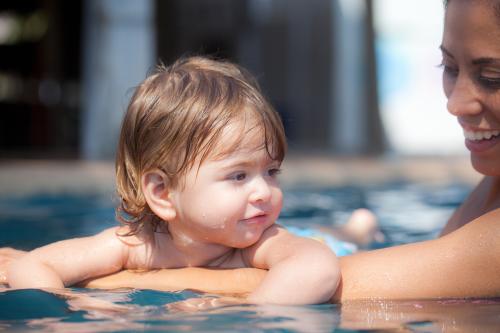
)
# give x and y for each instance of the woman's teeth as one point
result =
(480, 135)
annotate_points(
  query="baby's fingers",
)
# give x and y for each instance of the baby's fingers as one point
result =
(7, 255)
(3, 276)
(11, 253)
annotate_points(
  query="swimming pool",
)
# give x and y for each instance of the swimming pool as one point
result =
(31, 221)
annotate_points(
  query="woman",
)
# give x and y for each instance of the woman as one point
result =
(465, 260)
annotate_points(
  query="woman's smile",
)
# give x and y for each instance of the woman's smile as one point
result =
(480, 145)
(478, 140)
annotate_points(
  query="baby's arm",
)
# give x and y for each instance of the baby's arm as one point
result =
(301, 270)
(67, 262)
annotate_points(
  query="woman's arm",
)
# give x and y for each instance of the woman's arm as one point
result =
(464, 263)
(237, 282)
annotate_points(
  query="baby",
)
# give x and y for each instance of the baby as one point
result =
(197, 164)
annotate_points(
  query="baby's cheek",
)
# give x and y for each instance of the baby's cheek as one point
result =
(278, 201)
(213, 216)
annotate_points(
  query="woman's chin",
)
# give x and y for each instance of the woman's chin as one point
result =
(486, 166)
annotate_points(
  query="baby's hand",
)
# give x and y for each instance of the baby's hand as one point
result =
(7, 255)
(10, 252)
(203, 303)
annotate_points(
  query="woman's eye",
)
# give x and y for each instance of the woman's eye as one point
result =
(449, 70)
(490, 82)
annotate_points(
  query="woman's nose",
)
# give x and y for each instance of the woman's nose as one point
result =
(261, 190)
(464, 98)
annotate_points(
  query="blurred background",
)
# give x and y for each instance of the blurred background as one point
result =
(357, 83)
(349, 77)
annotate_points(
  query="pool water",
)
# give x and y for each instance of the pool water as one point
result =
(407, 213)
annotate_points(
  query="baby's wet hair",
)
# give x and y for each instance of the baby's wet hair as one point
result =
(176, 118)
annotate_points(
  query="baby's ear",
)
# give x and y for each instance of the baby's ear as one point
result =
(155, 186)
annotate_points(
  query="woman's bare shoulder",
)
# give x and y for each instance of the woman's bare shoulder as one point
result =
(485, 226)
(485, 197)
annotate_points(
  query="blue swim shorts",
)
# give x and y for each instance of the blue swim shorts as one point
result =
(340, 248)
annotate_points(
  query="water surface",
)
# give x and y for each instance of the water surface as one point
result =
(407, 213)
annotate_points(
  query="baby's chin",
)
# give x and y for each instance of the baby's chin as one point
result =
(246, 241)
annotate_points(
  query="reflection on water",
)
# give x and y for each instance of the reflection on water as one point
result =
(32, 310)
(42, 311)
(474, 315)
(407, 213)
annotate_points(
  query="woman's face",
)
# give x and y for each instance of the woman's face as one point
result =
(471, 77)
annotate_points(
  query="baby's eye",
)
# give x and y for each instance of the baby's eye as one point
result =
(239, 176)
(274, 172)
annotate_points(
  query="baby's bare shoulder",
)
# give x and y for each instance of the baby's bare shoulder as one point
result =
(129, 238)
(145, 249)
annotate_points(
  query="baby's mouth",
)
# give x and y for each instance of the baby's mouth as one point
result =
(257, 218)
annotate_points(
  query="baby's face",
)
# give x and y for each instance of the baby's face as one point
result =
(230, 200)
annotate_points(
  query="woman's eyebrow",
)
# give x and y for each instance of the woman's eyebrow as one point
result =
(478, 61)
(485, 61)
